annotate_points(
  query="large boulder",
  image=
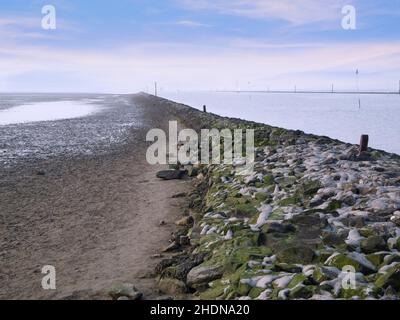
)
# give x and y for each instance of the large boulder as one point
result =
(203, 274)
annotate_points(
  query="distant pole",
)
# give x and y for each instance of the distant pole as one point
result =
(205, 108)
(364, 143)
(332, 87)
(358, 89)
(155, 89)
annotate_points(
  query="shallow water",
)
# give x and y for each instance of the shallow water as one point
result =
(46, 111)
(335, 115)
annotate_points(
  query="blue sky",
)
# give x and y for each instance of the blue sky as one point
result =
(126, 45)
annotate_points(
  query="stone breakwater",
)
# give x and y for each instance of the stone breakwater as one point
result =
(312, 207)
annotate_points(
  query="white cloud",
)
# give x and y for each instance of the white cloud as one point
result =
(190, 23)
(292, 11)
(20, 22)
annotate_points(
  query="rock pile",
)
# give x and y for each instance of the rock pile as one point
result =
(312, 209)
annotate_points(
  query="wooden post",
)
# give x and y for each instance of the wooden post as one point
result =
(364, 143)
(204, 108)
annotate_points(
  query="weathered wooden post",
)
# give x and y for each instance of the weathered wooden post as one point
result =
(364, 143)
(204, 108)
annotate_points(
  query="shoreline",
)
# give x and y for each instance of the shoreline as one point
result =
(312, 207)
(285, 232)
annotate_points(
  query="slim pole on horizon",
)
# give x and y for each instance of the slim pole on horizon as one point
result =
(358, 89)
(155, 89)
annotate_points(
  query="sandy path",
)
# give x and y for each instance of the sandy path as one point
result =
(95, 220)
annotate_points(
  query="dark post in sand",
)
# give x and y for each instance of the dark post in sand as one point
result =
(364, 143)
(204, 108)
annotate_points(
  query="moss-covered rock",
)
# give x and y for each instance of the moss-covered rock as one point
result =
(290, 201)
(172, 286)
(244, 210)
(255, 292)
(240, 256)
(261, 196)
(287, 267)
(318, 276)
(308, 188)
(286, 182)
(373, 244)
(296, 254)
(376, 258)
(334, 205)
(297, 279)
(214, 293)
(333, 239)
(302, 292)
(390, 278)
(352, 293)
(268, 180)
(341, 260)
(243, 288)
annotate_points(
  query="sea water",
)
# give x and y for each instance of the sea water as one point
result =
(338, 116)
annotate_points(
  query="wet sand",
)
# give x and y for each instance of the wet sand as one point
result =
(96, 219)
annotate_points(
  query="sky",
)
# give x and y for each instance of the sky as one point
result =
(124, 46)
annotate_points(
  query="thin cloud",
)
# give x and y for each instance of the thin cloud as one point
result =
(190, 23)
(179, 66)
(294, 12)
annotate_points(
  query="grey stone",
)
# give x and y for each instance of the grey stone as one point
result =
(203, 274)
(127, 290)
(170, 174)
(373, 244)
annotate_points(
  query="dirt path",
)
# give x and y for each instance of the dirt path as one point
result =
(97, 221)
